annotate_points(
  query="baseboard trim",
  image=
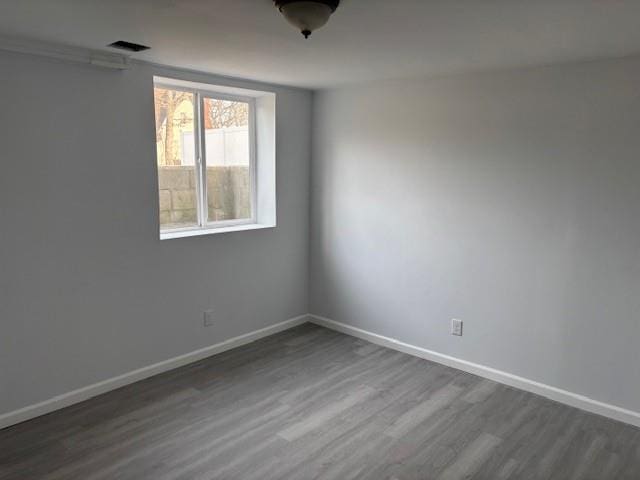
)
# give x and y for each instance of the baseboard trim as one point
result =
(85, 393)
(553, 393)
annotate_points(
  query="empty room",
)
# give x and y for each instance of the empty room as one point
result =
(320, 239)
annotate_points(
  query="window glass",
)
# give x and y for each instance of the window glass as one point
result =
(206, 161)
(175, 142)
(228, 159)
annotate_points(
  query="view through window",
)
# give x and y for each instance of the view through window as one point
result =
(205, 158)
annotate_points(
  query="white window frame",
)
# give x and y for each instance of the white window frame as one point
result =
(205, 226)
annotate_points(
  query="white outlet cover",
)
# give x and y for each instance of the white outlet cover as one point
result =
(209, 318)
(456, 327)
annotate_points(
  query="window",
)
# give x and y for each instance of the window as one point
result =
(207, 156)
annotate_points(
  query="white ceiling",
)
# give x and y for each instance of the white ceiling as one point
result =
(364, 40)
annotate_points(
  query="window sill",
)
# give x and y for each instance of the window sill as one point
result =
(196, 232)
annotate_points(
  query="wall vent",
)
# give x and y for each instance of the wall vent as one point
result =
(128, 46)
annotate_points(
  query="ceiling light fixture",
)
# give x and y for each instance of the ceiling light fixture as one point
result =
(307, 15)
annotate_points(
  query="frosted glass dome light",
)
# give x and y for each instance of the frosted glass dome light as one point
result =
(307, 15)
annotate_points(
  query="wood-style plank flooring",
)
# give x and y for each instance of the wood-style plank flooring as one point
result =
(310, 403)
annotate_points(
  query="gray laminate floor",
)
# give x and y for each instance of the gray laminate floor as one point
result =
(312, 403)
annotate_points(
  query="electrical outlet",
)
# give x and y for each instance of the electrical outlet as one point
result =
(209, 319)
(456, 327)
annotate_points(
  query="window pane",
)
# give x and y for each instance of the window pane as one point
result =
(176, 158)
(227, 149)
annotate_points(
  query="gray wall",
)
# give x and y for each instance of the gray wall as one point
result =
(510, 200)
(88, 291)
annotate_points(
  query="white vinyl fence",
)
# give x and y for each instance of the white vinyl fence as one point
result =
(225, 147)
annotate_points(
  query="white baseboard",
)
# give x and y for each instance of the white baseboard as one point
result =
(557, 394)
(553, 393)
(81, 394)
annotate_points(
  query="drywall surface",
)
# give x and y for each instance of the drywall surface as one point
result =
(88, 291)
(510, 200)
